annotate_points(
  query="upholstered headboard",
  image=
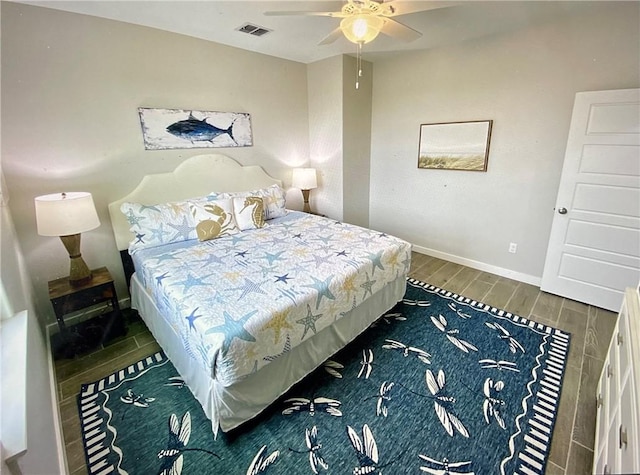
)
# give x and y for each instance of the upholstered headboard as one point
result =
(197, 176)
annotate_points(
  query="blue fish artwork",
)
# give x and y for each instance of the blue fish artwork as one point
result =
(198, 130)
(164, 129)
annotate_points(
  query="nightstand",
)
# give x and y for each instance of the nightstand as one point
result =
(89, 334)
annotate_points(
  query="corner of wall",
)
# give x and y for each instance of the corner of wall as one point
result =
(41, 425)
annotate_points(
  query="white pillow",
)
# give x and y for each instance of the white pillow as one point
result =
(213, 219)
(273, 198)
(249, 212)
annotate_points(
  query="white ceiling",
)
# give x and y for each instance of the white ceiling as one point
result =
(297, 37)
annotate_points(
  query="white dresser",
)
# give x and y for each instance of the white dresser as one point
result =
(617, 445)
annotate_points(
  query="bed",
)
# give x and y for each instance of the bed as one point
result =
(245, 315)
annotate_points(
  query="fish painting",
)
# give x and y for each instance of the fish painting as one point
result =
(164, 129)
(198, 130)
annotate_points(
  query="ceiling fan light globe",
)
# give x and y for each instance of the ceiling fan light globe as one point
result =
(361, 28)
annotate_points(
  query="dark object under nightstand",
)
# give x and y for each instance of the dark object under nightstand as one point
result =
(91, 333)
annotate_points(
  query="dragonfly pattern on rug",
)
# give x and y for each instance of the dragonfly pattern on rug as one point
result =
(389, 318)
(176, 381)
(260, 463)
(443, 404)
(459, 312)
(441, 324)
(333, 368)
(172, 458)
(366, 410)
(407, 350)
(366, 365)
(313, 406)
(384, 398)
(499, 365)
(135, 400)
(445, 467)
(366, 451)
(492, 405)
(514, 346)
(313, 450)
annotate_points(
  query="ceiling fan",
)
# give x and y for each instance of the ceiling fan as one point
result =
(363, 20)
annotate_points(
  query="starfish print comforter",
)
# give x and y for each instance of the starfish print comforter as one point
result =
(240, 301)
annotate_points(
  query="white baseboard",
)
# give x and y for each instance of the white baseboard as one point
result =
(51, 328)
(63, 465)
(501, 271)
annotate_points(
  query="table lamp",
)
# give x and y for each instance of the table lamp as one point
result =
(305, 179)
(67, 215)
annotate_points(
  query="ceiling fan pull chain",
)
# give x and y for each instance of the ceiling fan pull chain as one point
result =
(358, 65)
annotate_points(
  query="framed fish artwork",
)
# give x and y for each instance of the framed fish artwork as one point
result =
(164, 129)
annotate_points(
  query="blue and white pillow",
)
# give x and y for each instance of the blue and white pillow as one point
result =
(154, 225)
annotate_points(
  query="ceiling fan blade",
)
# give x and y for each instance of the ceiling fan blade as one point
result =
(303, 13)
(400, 7)
(331, 37)
(398, 30)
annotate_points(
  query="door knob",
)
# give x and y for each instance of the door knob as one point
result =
(562, 210)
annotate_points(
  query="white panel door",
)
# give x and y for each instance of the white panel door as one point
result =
(594, 247)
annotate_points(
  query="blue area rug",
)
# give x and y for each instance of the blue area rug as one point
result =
(441, 384)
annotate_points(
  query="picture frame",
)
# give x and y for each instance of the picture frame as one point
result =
(455, 145)
(164, 129)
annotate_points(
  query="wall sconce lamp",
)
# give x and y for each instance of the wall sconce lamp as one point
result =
(67, 215)
(305, 179)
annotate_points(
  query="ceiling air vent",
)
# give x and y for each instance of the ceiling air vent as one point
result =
(254, 30)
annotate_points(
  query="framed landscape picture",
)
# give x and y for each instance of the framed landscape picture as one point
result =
(455, 145)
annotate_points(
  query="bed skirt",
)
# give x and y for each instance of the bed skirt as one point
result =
(228, 407)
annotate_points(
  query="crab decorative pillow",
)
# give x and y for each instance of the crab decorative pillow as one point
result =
(249, 212)
(213, 219)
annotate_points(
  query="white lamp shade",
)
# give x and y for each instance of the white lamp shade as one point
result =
(65, 214)
(304, 178)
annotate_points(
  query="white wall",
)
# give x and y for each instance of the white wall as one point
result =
(26, 398)
(526, 82)
(340, 137)
(325, 101)
(356, 144)
(71, 86)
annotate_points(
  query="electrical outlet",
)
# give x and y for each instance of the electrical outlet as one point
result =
(513, 247)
